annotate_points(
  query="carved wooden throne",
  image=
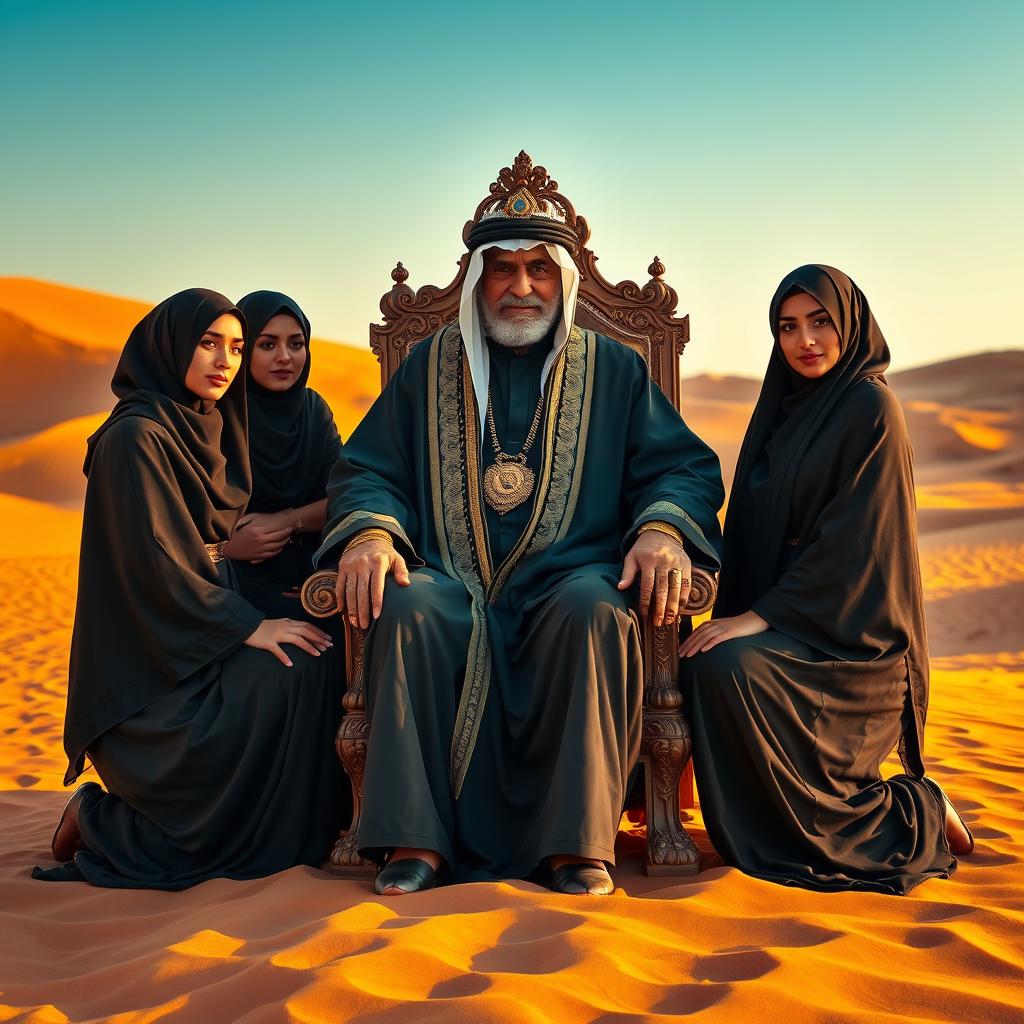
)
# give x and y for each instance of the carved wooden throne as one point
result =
(642, 317)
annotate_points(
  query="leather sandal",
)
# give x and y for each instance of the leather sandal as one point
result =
(579, 880)
(410, 874)
(67, 837)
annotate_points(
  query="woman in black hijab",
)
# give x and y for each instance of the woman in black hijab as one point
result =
(293, 444)
(815, 664)
(210, 725)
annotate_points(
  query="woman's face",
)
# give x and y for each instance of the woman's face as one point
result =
(808, 338)
(279, 353)
(216, 359)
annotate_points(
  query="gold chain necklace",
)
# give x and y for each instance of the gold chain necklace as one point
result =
(509, 481)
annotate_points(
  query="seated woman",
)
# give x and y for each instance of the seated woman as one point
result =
(210, 725)
(815, 664)
(293, 444)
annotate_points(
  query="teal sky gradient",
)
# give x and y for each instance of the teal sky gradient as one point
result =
(307, 146)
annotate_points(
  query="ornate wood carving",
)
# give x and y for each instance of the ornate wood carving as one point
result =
(664, 749)
(643, 317)
(353, 734)
(410, 316)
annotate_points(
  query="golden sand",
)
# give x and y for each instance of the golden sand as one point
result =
(305, 946)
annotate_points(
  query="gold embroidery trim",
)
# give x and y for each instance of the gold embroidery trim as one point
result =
(216, 551)
(581, 440)
(476, 517)
(434, 442)
(563, 458)
(451, 470)
(394, 527)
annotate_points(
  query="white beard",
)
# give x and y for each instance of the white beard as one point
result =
(518, 332)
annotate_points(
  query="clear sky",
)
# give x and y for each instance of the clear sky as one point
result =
(307, 146)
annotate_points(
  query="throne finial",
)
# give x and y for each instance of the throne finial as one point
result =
(656, 269)
(399, 275)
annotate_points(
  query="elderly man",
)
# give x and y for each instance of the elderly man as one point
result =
(492, 518)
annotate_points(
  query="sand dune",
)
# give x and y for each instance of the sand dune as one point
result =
(965, 421)
(47, 466)
(60, 346)
(348, 378)
(87, 318)
(47, 379)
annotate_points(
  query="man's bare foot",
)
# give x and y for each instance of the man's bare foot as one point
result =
(410, 878)
(960, 840)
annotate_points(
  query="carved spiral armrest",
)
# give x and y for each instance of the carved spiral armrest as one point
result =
(320, 600)
(318, 596)
(703, 591)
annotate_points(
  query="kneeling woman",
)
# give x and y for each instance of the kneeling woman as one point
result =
(293, 444)
(815, 665)
(210, 725)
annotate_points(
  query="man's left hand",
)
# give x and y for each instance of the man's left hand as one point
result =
(664, 570)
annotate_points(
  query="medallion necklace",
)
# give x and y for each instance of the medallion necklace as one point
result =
(509, 481)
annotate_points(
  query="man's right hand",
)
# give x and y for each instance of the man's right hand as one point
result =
(361, 574)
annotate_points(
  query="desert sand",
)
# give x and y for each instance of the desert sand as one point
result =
(304, 946)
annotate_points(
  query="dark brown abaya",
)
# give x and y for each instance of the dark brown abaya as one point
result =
(217, 758)
(791, 726)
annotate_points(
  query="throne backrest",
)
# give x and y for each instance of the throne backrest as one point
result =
(642, 317)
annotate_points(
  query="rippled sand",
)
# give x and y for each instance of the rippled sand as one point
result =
(305, 946)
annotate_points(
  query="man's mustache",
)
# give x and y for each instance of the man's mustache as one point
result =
(526, 302)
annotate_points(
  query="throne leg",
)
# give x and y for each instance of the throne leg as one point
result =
(664, 751)
(350, 744)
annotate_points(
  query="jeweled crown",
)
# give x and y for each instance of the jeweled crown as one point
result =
(524, 192)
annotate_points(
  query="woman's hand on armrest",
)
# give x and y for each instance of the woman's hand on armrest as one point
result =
(271, 633)
(711, 633)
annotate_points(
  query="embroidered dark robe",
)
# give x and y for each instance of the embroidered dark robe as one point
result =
(504, 685)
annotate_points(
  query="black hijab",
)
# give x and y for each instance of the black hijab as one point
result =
(149, 381)
(287, 429)
(790, 408)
